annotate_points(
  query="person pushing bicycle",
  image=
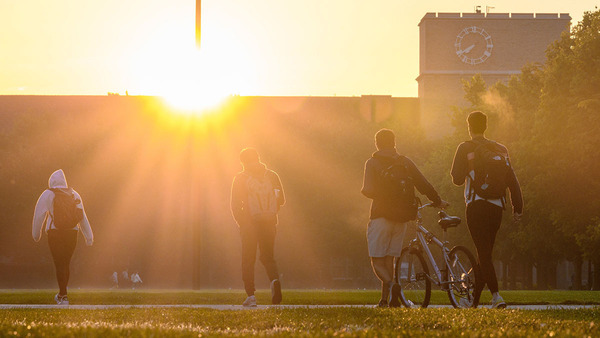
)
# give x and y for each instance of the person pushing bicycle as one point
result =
(484, 168)
(389, 181)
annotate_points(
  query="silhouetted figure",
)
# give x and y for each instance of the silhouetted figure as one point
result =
(114, 280)
(256, 196)
(389, 180)
(136, 280)
(59, 211)
(484, 167)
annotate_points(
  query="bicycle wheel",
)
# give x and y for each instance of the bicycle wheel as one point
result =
(413, 276)
(461, 277)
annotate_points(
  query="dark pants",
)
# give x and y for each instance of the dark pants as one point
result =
(62, 245)
(261, 235)
(483, 220)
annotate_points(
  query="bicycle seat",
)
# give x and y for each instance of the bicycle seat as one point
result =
(447, 221)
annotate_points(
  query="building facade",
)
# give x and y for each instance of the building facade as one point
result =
(455, 46)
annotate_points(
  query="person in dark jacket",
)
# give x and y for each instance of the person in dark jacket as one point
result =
(256, 196)
(484, 215)
(390, 213)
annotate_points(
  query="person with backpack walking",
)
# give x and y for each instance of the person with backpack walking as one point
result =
(483, 166)
(390, 180)
(59, 211)
(256, 197)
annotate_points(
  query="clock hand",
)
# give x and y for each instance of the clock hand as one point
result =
(468, 49)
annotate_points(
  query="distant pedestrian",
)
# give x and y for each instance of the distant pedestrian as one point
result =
(256, 196)
(390, 180)
(136, 280)
(114, 279)
(484, 168)
(59, 211)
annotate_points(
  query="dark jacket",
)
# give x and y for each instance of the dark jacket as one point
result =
(460, 170)
(382, 205)
(239, 191)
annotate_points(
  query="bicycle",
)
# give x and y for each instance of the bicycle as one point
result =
(457, 277)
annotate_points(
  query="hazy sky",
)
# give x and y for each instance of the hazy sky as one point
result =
(249, 47)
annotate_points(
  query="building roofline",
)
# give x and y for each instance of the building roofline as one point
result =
(494, 16)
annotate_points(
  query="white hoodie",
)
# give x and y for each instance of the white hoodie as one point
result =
(45, 207)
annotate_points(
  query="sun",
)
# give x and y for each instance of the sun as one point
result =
(194, 84)
(191, 81)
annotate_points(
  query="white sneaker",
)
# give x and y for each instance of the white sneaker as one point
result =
(498, 303)
(61, 300)
(464, 303)
(250, 301)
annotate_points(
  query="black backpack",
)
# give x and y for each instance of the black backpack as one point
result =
(396, 181)
(66, 213)
(491, 168)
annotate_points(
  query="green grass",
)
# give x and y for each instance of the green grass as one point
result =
(187, 322)
(324, 297)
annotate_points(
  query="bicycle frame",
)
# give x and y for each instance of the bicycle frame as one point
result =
(422, 240)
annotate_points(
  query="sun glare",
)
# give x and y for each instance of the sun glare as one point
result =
(191, 81)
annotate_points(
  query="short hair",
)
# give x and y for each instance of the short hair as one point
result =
(249, 155)
(385, 138)
(477, 122)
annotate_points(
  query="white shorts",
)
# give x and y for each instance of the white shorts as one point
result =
(385, 237)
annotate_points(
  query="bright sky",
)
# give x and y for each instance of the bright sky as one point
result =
(249, 47)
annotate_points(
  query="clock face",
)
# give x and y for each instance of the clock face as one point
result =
(473, 45)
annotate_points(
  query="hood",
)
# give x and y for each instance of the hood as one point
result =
(386, 154)
(256, 169)
(57, 180)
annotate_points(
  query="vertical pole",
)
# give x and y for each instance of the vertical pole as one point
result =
(198, 21)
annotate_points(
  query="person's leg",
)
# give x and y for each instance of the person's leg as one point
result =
(494, 218)
(493, 224)
(477, 234)
(379, 237)
(249, 243)
(266, 244)
(483, 220)
(383, 267)
(62, 245)
(398, 230)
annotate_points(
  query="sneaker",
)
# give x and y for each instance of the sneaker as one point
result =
(410, 303)
(382, 303)
(464, 303)
(276, 291)
(250, 301)
(61, 300)
(498, 303)
(394, 294)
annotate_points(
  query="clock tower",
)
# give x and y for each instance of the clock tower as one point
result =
(455, 46)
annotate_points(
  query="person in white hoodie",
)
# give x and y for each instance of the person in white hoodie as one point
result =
(61, 241)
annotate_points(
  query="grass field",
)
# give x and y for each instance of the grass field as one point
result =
(324, 297)
(188, 322)
(299, 322)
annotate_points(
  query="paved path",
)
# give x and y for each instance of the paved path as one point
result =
(259, 307)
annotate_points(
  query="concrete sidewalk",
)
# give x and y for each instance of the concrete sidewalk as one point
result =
(263, 307)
